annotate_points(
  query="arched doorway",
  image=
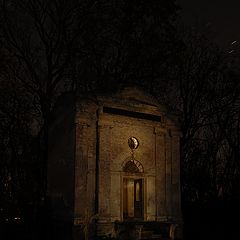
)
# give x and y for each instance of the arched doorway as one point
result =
(133, 191)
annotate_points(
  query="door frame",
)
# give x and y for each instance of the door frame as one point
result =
(144, 184)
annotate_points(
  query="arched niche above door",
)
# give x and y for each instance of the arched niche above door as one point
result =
(132, 166)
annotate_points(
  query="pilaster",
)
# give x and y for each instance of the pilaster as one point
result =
(176, 190)
(168, 175)
(160, 135)
(104, 172)
(81, 167)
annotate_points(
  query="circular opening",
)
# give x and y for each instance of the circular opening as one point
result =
(133, 143)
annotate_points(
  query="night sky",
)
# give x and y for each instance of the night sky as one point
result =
(221, 16)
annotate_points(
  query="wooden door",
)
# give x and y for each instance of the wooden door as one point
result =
(133, 199)
(138, 199)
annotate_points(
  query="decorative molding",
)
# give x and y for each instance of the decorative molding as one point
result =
(160, 131)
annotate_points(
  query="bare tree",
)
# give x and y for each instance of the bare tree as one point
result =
(39, 37)
(204, 96)
(56, 45)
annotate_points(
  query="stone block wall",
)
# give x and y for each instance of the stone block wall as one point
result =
(95, 144)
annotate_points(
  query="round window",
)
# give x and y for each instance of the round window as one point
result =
(133, 143)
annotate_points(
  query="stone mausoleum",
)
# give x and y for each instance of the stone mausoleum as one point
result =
(114, 158)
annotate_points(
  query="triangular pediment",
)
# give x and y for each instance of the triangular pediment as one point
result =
(127, 101)
(137, 95)
(132, 99)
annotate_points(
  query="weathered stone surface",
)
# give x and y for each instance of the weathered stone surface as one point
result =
(160, 174)
(102, 183)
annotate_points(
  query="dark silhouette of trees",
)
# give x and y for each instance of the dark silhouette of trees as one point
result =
(19, 165)
(126, 41)
(206, 98)
(41, 38)
(50, 47)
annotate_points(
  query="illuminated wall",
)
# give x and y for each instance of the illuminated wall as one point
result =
(114, 179)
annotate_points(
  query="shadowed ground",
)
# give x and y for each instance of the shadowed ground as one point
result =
(216, 220)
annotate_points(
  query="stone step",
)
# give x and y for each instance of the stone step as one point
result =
(146, 235)
(148, 230)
